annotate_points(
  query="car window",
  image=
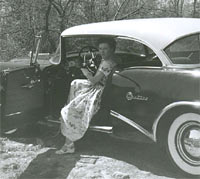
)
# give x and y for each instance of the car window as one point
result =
(185, 50)
(133, 53)
(129, 46)
(123, 44)
(75, 44)
(128, 52)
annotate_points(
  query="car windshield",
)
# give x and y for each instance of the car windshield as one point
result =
(185, 50)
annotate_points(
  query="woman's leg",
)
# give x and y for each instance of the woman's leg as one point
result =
(68, 141)
(67, 148)
(67, 115)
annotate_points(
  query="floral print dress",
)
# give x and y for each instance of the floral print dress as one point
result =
(83, 102)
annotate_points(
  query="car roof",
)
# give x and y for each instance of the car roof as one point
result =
(155, 32)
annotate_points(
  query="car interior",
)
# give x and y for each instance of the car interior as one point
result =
(57, 78)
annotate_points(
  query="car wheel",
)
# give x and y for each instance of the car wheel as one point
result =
(183, 143)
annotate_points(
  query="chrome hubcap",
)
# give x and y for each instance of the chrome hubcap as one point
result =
(188, 142)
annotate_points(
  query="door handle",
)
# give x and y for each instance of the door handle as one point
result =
(28, 86)
(31, 84)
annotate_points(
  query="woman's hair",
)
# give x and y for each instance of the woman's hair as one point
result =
(108, 40)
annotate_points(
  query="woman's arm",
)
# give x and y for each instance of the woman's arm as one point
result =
(93, 79)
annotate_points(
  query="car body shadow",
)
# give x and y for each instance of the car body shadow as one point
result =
(146, 157)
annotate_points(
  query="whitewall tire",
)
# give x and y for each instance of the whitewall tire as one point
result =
(183, 143)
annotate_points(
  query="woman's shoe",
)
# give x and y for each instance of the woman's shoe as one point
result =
(66, 149)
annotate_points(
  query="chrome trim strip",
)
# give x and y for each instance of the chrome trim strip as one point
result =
(11, 131)
(54, 121)
(132, 123)
(104, 129)
(168, 107)
(145, 67)
(12, 114)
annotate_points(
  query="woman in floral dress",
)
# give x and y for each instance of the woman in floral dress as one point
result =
(85, 97)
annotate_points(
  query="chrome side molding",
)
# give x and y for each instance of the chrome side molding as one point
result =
(104, 129)
(132, 123)
(12, 114)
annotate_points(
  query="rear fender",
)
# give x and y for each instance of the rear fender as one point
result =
(169, 113)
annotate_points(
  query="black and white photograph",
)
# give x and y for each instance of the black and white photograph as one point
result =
(99, 89)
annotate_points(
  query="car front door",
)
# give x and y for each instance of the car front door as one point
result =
(23, 97)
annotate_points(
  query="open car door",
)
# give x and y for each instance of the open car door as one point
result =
(23, 96)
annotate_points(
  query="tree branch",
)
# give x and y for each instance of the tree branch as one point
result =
(66, 5)
(56, 6)
(119, 9)
(194, 8)
(133, 12)
(47, 16)
(11, 32)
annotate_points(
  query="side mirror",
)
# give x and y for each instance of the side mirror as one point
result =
(55, 59)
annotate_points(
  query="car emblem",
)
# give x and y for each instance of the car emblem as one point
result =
(129, 96)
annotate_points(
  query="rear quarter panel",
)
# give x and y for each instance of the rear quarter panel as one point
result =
(158, 88)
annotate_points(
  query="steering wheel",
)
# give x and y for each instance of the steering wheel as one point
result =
(89, 58)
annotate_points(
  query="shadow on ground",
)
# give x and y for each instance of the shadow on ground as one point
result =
(146, 157)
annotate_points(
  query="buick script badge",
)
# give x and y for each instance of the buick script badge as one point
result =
(129, 97)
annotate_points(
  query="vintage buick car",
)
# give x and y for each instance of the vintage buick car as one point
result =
(155, 88)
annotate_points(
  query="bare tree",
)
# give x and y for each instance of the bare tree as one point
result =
(194, 8)
(63, 9)
(119, 8)
(132, 9)
(177, 6)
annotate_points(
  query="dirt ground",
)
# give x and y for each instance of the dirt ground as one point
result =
(28, 156)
